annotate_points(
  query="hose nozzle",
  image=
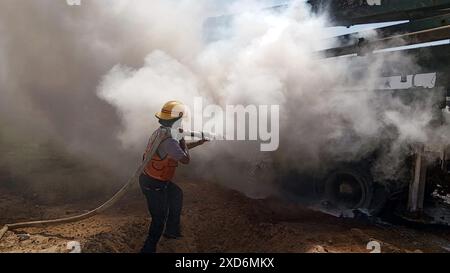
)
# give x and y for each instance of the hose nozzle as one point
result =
(202, 135)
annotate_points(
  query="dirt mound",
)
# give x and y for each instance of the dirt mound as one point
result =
(214, 219)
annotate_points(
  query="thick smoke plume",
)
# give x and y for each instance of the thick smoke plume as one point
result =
(91, 77)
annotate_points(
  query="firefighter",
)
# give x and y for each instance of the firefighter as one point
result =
(165, 198)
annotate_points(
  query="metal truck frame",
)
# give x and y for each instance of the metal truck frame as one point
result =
(422, 198)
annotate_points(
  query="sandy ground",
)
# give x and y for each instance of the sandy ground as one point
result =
(214, 219)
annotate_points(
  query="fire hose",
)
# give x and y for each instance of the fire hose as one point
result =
(164, 132)
(113, 200)
(102, 207)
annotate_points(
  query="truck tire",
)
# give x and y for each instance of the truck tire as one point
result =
(352, 188)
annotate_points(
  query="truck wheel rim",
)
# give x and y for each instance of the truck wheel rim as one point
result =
(345, 190)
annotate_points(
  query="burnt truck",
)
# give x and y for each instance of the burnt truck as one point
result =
(422, 193)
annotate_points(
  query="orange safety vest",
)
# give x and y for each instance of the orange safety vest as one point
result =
(160, 168)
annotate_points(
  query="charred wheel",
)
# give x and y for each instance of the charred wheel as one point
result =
(349, 188)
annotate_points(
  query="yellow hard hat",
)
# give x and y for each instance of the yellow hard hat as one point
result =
(171, 110)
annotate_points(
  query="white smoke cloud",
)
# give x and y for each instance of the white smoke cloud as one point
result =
(135, 55)
(139, 93)
(268, 58)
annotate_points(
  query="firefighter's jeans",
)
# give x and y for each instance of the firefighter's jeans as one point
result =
(164, 201)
